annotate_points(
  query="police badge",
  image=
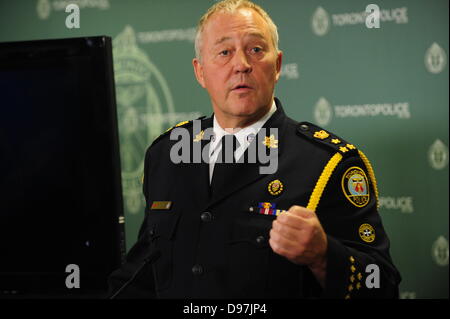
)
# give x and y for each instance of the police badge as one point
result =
(355, 186)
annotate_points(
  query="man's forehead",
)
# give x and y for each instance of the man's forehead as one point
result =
(245, 13)
(222, 25)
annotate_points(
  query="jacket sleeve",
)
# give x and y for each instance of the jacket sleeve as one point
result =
(358, 261)
(142, 286)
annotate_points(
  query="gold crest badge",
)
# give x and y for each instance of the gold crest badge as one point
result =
(321, 134)
(367, 233)
(275, 187)
(355, 186)
(199, 136)
(270, 142)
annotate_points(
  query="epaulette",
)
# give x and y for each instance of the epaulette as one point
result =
(183, 124)
(330, 140)
(341, 149)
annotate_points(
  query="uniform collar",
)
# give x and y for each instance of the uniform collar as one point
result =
(245, 135)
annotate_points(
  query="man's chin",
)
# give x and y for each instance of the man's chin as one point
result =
(249, 108)
(245, 111)
(243, 106)
(248, 111)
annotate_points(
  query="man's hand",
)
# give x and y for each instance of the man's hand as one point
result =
(299, 236)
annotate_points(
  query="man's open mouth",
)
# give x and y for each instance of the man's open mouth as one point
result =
(242, 87)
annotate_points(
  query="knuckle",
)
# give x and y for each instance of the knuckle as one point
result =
(273, 234)
(275, 247)
(294, 209)
(276, 225)
(279, 227)
(282, 218)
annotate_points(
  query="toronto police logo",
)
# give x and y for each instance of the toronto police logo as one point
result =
(323, 112)
(320, 22)
(439, 251)
(435, 59)
(356, 186)
(438, 155)
(143, 101)
(43, 9)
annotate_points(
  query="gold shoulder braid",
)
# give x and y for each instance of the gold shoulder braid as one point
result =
(342, 148)
(323, 180)
(371, 174)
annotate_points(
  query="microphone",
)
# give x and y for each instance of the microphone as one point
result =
(147, 260)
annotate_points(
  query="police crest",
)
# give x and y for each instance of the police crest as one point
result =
(275, 187)
(355, 186)
(366, 233)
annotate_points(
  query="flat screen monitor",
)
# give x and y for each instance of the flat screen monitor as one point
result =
(61, 211)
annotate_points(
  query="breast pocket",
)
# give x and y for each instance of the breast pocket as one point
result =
(249, 252)
(162, 226)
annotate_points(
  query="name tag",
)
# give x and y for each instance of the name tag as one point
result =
(161, 205)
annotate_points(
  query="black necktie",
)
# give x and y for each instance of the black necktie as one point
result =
(224, 161)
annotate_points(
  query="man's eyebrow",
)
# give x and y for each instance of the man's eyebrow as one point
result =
(221, 40)
(257, 35)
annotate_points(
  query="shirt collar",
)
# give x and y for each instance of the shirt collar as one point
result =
(245, 135)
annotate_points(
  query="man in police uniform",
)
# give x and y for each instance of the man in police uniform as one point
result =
(309, 230)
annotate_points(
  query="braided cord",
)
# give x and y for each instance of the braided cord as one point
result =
(322, 181)
(371, 174)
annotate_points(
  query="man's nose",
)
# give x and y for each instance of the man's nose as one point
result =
(241, 63)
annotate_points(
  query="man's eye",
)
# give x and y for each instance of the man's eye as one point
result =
(256, 50)
(224, 53)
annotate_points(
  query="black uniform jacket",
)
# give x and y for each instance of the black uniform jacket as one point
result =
(212, 246)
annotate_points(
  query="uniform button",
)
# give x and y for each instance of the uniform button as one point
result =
(304, 127)
(206, 216)
(197, 270)
(260, 240)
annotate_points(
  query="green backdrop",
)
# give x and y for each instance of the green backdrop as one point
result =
(384, 89)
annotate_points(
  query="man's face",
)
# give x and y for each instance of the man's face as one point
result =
(239, 65)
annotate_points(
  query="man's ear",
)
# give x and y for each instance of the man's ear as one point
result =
(279, 61)
(198, 70)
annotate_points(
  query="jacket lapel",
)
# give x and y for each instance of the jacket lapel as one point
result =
(239, 175)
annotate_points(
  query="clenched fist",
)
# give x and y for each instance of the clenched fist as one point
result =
(299, 236)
